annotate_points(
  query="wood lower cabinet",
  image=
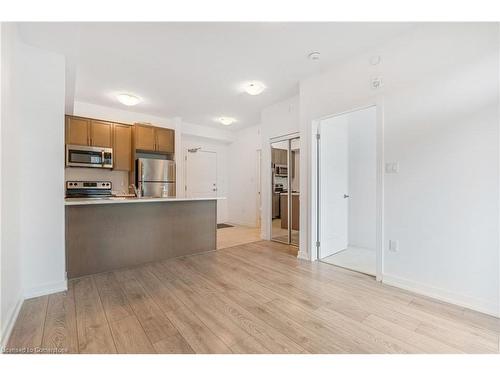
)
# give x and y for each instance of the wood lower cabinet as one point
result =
(164, 140)
(77, 131)
(144, 138)
(122, 147)
(101, 134)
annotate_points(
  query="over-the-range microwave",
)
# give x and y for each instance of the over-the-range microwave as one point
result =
(89, 156)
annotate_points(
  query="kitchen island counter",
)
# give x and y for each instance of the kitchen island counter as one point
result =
(103, 235)
(114, 200)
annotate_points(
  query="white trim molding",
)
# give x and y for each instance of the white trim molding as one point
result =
(469, 302)
(7, 330)
(49, 288)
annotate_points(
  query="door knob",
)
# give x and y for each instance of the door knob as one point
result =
(346, 196)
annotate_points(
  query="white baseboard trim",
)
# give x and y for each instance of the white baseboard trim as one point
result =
(11, 320)
(49, 288)
(303, 255)
(469, 302)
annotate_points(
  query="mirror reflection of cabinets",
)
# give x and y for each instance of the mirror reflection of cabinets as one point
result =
(279, 157)
(285, 212)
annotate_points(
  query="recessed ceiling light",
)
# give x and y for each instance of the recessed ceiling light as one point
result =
(226, 120)
(254, 87)
(314, 56)
(128, 99)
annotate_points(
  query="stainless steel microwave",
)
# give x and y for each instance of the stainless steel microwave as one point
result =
(90, 157)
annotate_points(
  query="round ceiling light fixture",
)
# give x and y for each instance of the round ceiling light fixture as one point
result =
(128, 99)
(254, 87)
(226, 120)
(314, 56)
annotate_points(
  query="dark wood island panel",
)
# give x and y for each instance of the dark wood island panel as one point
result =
(105, 237)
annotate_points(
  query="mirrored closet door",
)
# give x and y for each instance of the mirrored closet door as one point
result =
(285, 187)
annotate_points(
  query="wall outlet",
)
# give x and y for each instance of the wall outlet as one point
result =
(394, 245)
(392, 167)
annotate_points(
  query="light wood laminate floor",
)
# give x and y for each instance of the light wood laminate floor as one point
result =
(253, 298)
(236, 235)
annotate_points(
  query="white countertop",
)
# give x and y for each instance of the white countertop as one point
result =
(116, 200)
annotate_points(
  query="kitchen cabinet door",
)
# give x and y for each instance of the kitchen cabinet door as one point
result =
(122, 147)
(101, 134)
(144, 138)
(77, 131)
(164, 140)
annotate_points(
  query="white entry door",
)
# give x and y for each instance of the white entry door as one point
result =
(334, 185)
(201, 174)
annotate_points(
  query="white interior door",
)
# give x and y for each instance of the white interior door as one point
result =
(334, 185)
(201, 174)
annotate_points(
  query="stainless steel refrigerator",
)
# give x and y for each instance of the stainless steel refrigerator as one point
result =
(155, 177)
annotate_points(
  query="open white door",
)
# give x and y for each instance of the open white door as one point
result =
(334, 185)
(201, 174)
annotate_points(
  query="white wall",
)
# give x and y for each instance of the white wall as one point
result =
(279, 119)
(32, 180)
(362, 178)
(440, 117)
(11, 292)
(39, 93)
(243, 177)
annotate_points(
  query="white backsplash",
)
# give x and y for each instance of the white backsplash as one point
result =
(119, 179)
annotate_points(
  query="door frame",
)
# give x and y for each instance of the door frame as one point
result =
(288, 138)
(259, 187)
(380, 161)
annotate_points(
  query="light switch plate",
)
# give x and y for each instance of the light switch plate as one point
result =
(392, 167)
(393, 245)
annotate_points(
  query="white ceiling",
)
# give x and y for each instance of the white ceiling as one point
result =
(194, 70)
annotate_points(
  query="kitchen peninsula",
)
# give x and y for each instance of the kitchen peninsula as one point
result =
(112, 233)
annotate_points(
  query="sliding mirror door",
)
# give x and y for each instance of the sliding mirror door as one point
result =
(279, 181)
(294, 191)
(285, 187)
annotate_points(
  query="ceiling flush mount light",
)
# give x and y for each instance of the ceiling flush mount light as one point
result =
(226, 120)
(254, 87)
(314, 56)
(128, 99)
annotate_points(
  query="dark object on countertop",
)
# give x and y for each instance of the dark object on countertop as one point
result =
(220, 226)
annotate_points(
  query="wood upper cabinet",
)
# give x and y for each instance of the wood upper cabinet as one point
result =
(144, 138)
(164, 140)
(151, 138)
(122, 147)
(101, 134)
(87, 132)
(77, 131)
